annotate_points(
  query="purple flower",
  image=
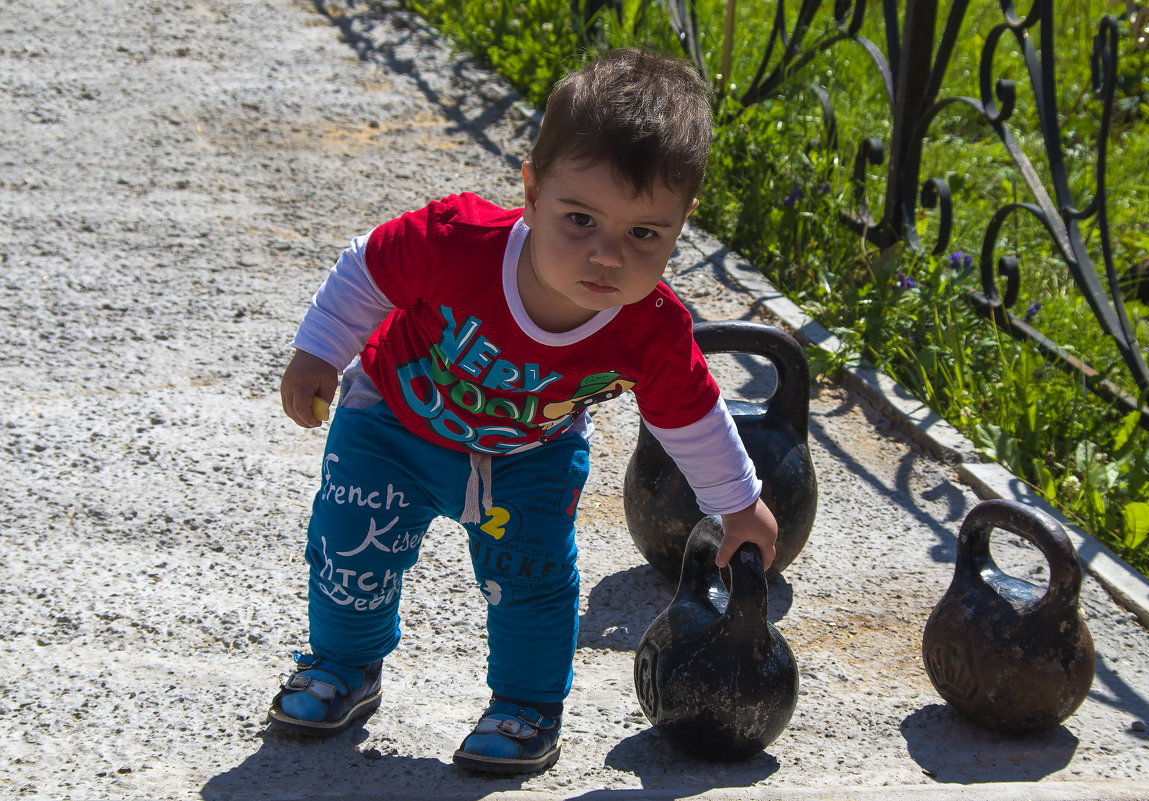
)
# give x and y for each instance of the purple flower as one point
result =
(1032, 311)
(905, 282)
(960, 261)
(824, 189)
(795, 193)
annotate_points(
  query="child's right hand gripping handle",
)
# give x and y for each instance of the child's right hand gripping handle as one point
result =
(308, 385)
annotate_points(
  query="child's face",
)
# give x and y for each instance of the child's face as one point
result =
(594, 244)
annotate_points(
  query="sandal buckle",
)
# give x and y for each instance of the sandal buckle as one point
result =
(309, 684)
(518, 729)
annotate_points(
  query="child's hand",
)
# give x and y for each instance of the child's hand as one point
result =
(307, 377)
(754, 524)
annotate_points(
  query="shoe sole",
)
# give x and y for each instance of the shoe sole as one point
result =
(507, 766)
(325, 728)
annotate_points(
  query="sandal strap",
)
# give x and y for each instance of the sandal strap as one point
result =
(299, 682)
(534, 717)
(317, 677)
(524, 724)
(512, 727)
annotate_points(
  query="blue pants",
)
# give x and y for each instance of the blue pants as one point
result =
(381, 488)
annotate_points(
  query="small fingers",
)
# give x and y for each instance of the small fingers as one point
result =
(729, 546)
(768, 552)
(726, 550)
(307, 388)
(300, 407)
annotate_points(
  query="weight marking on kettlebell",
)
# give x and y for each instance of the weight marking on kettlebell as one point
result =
(646, 680)
(953, 668)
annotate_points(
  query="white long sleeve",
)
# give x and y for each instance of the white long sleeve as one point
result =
(714, 461)
(345, 311)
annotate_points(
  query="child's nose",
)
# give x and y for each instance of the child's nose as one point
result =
(607, 252)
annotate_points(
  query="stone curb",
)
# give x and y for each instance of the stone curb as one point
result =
(1128, 587)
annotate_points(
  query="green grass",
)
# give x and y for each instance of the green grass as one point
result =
(775, 193)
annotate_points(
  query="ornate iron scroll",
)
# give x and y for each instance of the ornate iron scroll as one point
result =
(912, 69)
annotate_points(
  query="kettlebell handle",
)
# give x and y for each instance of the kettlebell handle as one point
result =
(1034, 526)
(791, 399)
(749, 590)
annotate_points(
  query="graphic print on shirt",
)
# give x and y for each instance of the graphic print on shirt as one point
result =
(495, 388)
(560, 415)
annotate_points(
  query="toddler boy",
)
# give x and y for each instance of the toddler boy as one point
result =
(472, 340)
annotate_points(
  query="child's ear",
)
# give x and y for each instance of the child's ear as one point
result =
(530, 191)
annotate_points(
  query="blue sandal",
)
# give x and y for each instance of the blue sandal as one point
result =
(511, 739)
(323, 697)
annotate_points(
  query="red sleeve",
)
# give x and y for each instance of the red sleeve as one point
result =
(678, 389)
(399, 254)
(407, 256)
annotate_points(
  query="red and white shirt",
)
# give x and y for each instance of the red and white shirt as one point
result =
(430, 302)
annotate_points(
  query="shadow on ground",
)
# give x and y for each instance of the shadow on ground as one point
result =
(622, 605)
(951, 749)
(286, 767)
(660, 768)
(354, 25)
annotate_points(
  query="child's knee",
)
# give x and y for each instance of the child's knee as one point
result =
(355, 584)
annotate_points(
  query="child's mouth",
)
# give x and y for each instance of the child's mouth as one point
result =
(602, 289)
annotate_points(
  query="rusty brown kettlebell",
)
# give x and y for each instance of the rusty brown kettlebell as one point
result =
(1001, 651)
(661, 508)
(712, 674)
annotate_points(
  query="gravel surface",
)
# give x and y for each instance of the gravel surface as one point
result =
(175, 180)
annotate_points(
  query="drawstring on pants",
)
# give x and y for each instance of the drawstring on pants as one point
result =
(480, 470)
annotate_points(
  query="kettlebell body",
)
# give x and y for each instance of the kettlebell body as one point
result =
(1002, 652)
(712, 675)
(661, 508)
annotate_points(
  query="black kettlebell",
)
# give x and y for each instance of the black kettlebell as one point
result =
(1000, 650)
(661, 508)
(712, 674)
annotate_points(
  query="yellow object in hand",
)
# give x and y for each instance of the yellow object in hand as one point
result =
(320, 408)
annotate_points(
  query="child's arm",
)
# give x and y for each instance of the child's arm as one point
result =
(714, 461)
(345, 311)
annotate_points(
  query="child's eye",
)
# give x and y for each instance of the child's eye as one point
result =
(643, 233)
(580, 219)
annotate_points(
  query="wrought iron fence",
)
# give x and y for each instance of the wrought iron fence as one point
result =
(912, 65)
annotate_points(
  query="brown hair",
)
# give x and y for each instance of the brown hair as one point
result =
(646, 115)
